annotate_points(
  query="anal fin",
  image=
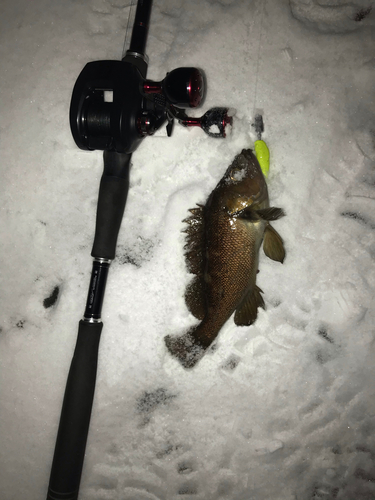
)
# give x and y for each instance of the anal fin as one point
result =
(247, 311)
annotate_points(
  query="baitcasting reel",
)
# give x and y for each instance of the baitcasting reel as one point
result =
(114, 107)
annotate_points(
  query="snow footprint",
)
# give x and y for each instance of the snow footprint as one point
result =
(113, 482)
(149, 402)
(188, 487)
(331, 17)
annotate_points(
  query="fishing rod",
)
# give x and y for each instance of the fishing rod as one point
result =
(113, 108)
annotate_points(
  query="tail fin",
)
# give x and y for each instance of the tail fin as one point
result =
(187, 348)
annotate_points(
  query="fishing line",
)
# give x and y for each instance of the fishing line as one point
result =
(261, 149)
(262, 2)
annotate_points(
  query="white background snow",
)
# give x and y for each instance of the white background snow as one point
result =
(283, 409)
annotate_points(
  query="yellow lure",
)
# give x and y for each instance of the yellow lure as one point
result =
(263, 156)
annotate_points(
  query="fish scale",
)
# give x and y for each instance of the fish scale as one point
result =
(223, 241)
(233, 272)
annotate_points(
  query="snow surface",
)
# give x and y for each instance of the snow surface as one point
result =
(283, 409)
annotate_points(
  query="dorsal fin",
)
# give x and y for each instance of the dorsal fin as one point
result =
(194, 252)
(195, 240)
(195, 297)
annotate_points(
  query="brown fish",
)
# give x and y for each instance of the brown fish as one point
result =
(222, 250)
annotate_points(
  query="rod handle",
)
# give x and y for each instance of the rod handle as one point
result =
(113, 192)
(75, 415)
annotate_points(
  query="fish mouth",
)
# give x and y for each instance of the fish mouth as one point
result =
(244, 169)
(248, 153)
(250, 156)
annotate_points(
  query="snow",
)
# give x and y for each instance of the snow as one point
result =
(283, 409)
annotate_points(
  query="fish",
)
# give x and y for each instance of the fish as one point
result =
(223, 240)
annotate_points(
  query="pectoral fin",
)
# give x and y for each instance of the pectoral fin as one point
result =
(271, 213)
(248, 214)
(252, 214)
(247, 311)
(273, 245)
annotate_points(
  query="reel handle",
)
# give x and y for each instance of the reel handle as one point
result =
(213, 122)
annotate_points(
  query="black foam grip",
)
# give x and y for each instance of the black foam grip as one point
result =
(75, 415)
(113, 191)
